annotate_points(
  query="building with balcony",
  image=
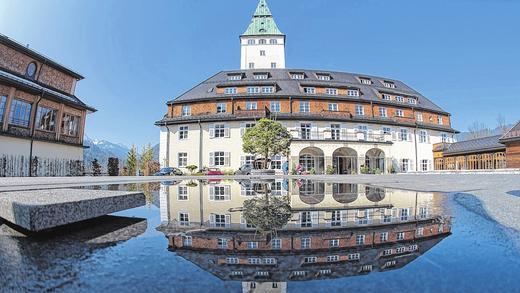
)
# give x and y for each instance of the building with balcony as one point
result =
(42, 122)
(345, 121)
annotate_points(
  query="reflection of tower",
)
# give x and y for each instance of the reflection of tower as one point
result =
(270, 287)
(163, 202)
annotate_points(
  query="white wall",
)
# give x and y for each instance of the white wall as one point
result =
(12, 146)
(273, 53)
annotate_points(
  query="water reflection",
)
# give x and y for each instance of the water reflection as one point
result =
(265, 233)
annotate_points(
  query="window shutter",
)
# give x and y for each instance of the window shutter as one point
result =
(212, 219)
(227, 192)
(226, 159)
(212, 159)
(212, 193)
(412, 165)
(315, 218)
(226, 131)
(242, 160)
(410, 137)
(242, 129)
(344, 215)
(394, 136)
(212, 131)
(228, 220)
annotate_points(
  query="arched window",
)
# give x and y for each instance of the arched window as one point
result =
(30, 71)
(262, 41)
(251, 42)
(273, 41)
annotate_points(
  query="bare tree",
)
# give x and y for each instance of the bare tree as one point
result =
(478, 130)
(501, 124)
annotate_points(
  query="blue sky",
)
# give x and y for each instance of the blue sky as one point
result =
(136, 55)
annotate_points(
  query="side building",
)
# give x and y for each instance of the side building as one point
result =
(347, 122)
(42, 122)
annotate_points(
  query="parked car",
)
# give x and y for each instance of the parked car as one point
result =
(245, 169)
(214, 171)
(168, 171)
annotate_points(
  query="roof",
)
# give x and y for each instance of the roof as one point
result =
(288, 87)
(512, 135)
(37, 88)
(263, 22)
(38, 56)
(478, 145)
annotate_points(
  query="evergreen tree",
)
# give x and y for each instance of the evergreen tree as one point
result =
(146, 158)
(96, 168)
(131, 161)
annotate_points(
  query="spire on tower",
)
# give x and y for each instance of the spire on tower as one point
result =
(263, 22)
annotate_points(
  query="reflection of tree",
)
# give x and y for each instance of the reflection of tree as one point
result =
(267, 213)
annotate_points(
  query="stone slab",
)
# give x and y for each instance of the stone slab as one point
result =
(38, 210)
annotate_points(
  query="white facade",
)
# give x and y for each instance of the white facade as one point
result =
(262, 52)
(219, 145)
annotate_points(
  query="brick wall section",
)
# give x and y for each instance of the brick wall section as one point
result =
(17, 62)
(513, 155)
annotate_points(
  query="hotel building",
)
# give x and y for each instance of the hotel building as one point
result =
(351, 122)
(42, 122)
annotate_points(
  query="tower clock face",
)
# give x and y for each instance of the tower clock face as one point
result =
(31, 69)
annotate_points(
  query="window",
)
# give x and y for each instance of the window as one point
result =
(332, 258)
(389, 84)
(323, 76)
(423, 212)
(251, 65)
(333, 107)
(252, 245)
(187, 241)
(305, 242)
(310, 259)
(420, 231)
(3, 101)
(221, 107)
(30, 71)
(305, 131)
(353, 93)
(219, 220)
(297, 75)
(251, 106)
(335, 132)
(261, 75)
(383, 236)
(182, 159)
(253, 90)
(334, 243)
(70, 125)
(399, 113)
(444, 137)
(269, 261)
(403, 134)
(387, 252)
(276, 243)
(251, 42)
(360, 110)
(183, 132)
(273, 65)
(184, 219)
(365, 80)
(353, 256)
(400, 236)
(305, 219)
(46, 119)
(276, 162)
(399, 99)
(400, 249)
(412, 101)
(237, 273)
(20, 113)
(262, 52)
(231, 260)
(262, 41)
(305, 107)
(419, 117)
(439, 120)
(309, 90)
(360, 239)
(405, 165)
(254, 261)
(274, 106)
(219, 130)
(325, 272)
(186, 110)
(183, 193)
(218, 159)
(382, 112)
(243, 130)
(299, 273)
(234, 76)
(423, 136)
(273, 41)
(267, 90)
(219, 192)
(390, 263)
(386, 97)
(404, 214)
(331, 91)
(412, 247)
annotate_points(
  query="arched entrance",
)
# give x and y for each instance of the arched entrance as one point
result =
(312, 160)
(312, 192)
(344, 161)
(375, 160)
(345, 193)
(374, 194)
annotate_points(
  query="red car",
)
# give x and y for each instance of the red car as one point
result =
(214, 171)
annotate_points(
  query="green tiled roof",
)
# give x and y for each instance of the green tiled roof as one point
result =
(263, 22)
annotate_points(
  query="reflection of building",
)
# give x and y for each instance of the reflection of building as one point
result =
(492, 152)
(41, 120)
(337, 119)
(336, 230)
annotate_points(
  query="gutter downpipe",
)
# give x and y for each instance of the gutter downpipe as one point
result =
(415, 143)
(200, 144)
(167, 145)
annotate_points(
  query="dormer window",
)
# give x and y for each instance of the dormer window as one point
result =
(230, 90)
(309, 90)
(253, 90)
(389, 84)
(412, 101)
(235, 76)
(297, 75)
(386, 97)
(353, 93)
(399, 99)
(186, 110)
(331, 91)
(323, 76)
(365, 80)
(267, 89)
(30, 71)
(261, 75)
(399, 113)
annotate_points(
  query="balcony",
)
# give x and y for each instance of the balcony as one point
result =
(255, 113)
(342, 135)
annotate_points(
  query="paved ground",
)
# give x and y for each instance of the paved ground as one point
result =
(498, 192)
